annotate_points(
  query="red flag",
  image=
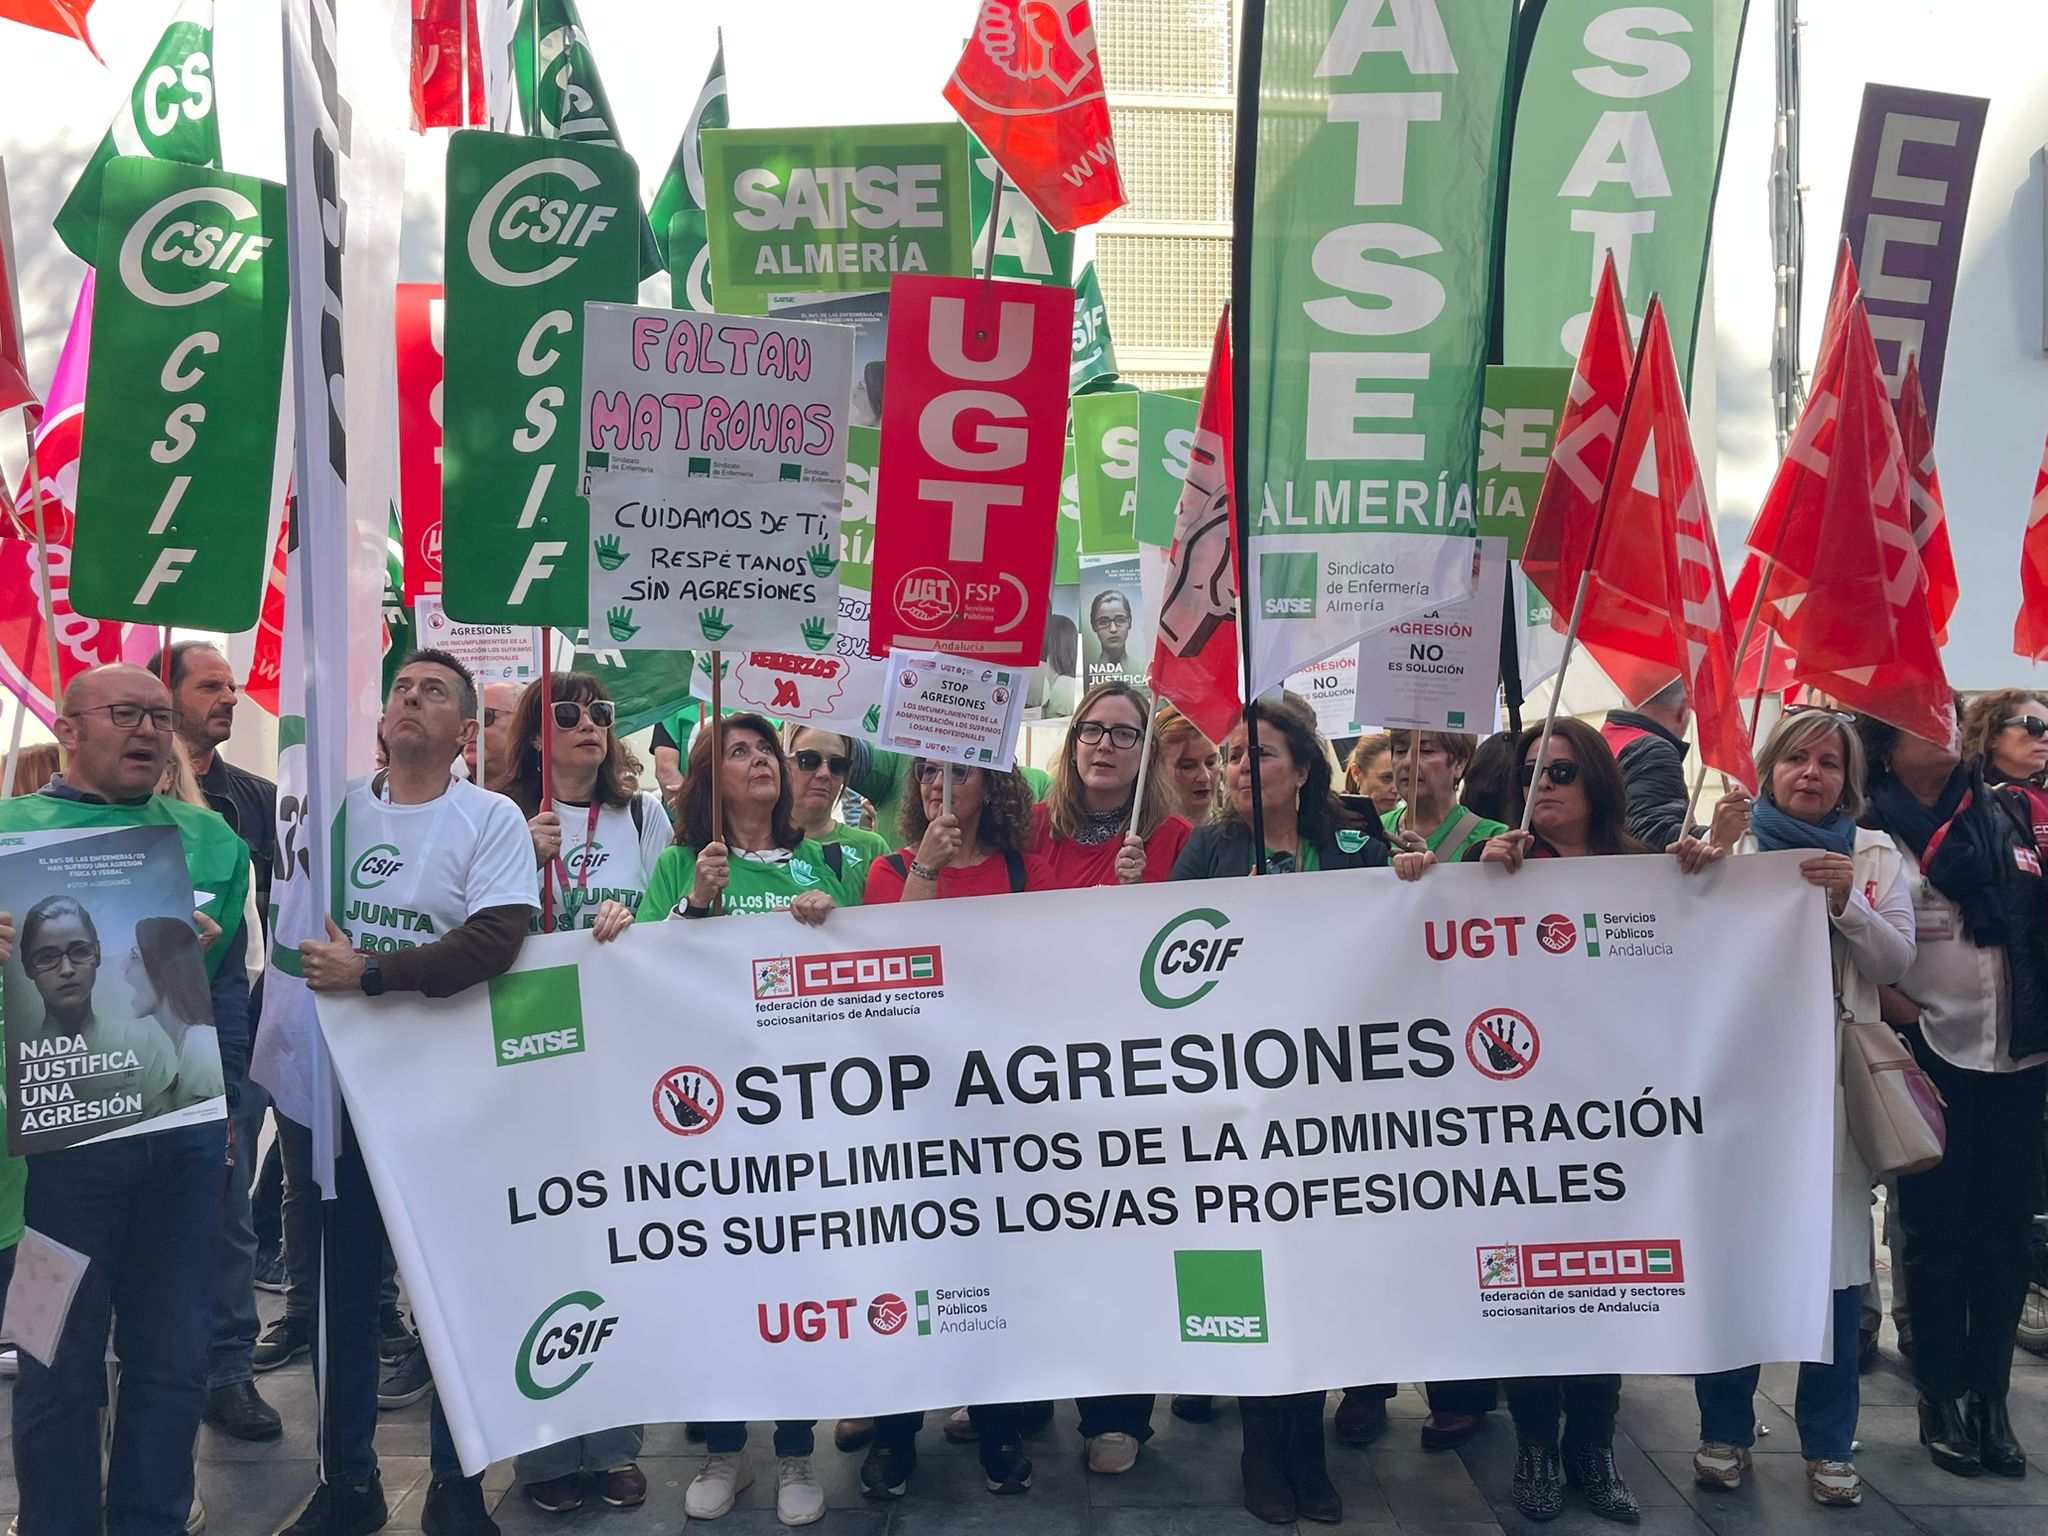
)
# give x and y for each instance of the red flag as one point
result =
(1194, 661)
(419, 436)
(1029, 84)
(2030, 632)
(1568, 506)
(62, 16)
(1929, 521)
(444, 33)
(266, 667)
(15, 388)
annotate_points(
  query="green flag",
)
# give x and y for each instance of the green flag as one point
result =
(685, 250)
(1094, 353)
(573, 105)
(398, 641)
(1517, 432)
(1618, 137)
(179, 466)
(647, 686)
(1106, 471)
(168, 115)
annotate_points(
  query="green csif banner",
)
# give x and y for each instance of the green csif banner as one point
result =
(180, 464)
(536, 229)
(1618, 139)
(1364, 314)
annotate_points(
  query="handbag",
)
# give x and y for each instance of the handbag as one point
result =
(1894, 1109)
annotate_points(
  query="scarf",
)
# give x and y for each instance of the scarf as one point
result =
(1775, 829)
(1969, 846)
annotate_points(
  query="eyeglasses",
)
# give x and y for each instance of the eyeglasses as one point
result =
(808, 761)
(1122, 737)
(80, 954)
(2033, 725)
(928, 773)
(569, 714)
(126, 717)
(1559, 773)
(493, 716)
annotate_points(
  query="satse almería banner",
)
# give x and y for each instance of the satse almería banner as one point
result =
(898, 1161)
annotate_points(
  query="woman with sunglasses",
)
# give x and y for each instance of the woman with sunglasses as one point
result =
(2005, 737)
(1578, 809)
(1308, 828)
(1810, 776)
(1974, 1007)
(819, 762)
(1083, 828)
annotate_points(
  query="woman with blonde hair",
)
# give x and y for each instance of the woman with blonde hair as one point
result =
(1369, 771)
(1191, 762)
(1082, 829)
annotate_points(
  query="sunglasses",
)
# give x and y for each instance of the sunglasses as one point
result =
(1123, 737)
(808, 761)
(1560, 773)
(569, 715)
(2033, 725)
(928, 773)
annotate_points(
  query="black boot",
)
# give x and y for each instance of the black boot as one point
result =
(1267, 1492)
(1991, 1427)
(1945, 1431)
(1539, 1482)
(1591, 1470)
(1315, 1496)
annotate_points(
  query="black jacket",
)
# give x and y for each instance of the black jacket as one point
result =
(1653, 772)
(248, 803)
(1224, 849)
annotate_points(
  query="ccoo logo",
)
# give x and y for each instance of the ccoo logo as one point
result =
(555, 1354)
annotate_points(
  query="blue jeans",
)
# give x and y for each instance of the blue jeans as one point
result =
(234, 1288)
(146, 1211)
(606, 1451)
(1825, 1408)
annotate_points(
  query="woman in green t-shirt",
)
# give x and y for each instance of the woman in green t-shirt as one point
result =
(819, 762)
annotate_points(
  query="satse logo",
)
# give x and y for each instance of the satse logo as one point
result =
(192, 243)
(1180, 953)
(529, 218)
(556, 1351)
(1222, 1295)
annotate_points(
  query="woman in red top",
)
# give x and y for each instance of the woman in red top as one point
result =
(1083, 826)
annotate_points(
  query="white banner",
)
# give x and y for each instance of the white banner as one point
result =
(494, 653)
(1439, 671)
(953, 708)
(899, 1161)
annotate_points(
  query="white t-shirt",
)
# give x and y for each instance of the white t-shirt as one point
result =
(410, 873)
(613, 865)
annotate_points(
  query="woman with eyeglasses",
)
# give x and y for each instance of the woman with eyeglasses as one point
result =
(818, 763)
(2005, 737)
(1308, 828)
(1579, 810)
(1974, 1006)
(1810, 775)
(1082, 829)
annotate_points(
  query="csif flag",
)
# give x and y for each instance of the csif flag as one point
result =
(169, 115)
(1930, 521)
(446, 47)
(2030, 630)
(677, 214)
(1029, 85)
(1194, 661)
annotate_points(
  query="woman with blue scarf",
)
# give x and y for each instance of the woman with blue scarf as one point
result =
(1812, 776)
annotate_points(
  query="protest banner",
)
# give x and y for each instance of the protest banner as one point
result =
(1618, 138)
(897, 1161)
(973, 431)
(447, 65)
(1331, 688)
(1361, 310)
(1027, 249)
(795, 211)
(1094, 353)
(645, 685)
(960, 711)
(494, 653)
(715, 454)
(182, 460)
(420, 312)
(1909, 189)
(536, 229)
(1439, 671)
(1116, 621)
(1067, 551)
(92, 1059)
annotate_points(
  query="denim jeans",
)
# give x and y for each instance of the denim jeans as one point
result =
(146, 1211)
(1825, 1409)
(605, 1451)
(234, 1289)
(792, 1438)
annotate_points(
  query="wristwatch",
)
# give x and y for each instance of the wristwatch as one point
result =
(373, 977)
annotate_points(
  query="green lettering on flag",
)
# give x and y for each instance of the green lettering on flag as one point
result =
(1028, 250)
(180, 461)
(1094, 355)
(1166, 435)
(169, 115)
(536, 1015)
(1516, 433)
(857, 509)
(677, 212)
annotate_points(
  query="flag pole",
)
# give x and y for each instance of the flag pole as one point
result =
(1144, 763)
(13, 749)
(35, 492)
(716, 760)
(1243, 199)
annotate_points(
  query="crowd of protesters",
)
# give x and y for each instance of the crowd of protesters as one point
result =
(1930, 861)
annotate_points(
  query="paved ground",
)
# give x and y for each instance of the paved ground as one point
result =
(1186, 1483)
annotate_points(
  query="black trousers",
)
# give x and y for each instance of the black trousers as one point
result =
(1130, 1415)
(1969, 1226)
(995, 1425)
(1473, 1397)
(1588, 1403)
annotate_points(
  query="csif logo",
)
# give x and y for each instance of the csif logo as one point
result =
(585, 861)
(176, 237)
(555, 1354)
(376, 865)
(509, 217)
(1183, 964)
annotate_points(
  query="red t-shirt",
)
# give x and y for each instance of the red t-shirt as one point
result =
(991, 877)
(1075, 865)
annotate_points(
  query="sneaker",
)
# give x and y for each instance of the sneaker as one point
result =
(1007, 1468)
(337, 1509)
(455, 1507)
(886, 1471)
(798, 1498)
(722, 1479)
(960, 1428)
(556, 1495)
(394, 1339)
(270, 1271)
(286, 1339)
(1591, 1470)
(1112, 1453)
(1834, 1483)
(623, 1487)
(1716, 1464)
(852, 1434)
(406, 1381)
(1539, 1482)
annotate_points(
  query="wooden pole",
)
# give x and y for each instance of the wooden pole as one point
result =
(13, 749)
(1144, 766)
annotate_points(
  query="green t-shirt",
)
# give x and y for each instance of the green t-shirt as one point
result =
(216, 859)
(760, 882)
(870, 846)
(1470, 827)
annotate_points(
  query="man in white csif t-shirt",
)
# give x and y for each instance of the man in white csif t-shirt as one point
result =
(436, 892)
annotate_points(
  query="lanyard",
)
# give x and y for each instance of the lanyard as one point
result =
(557, 870)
